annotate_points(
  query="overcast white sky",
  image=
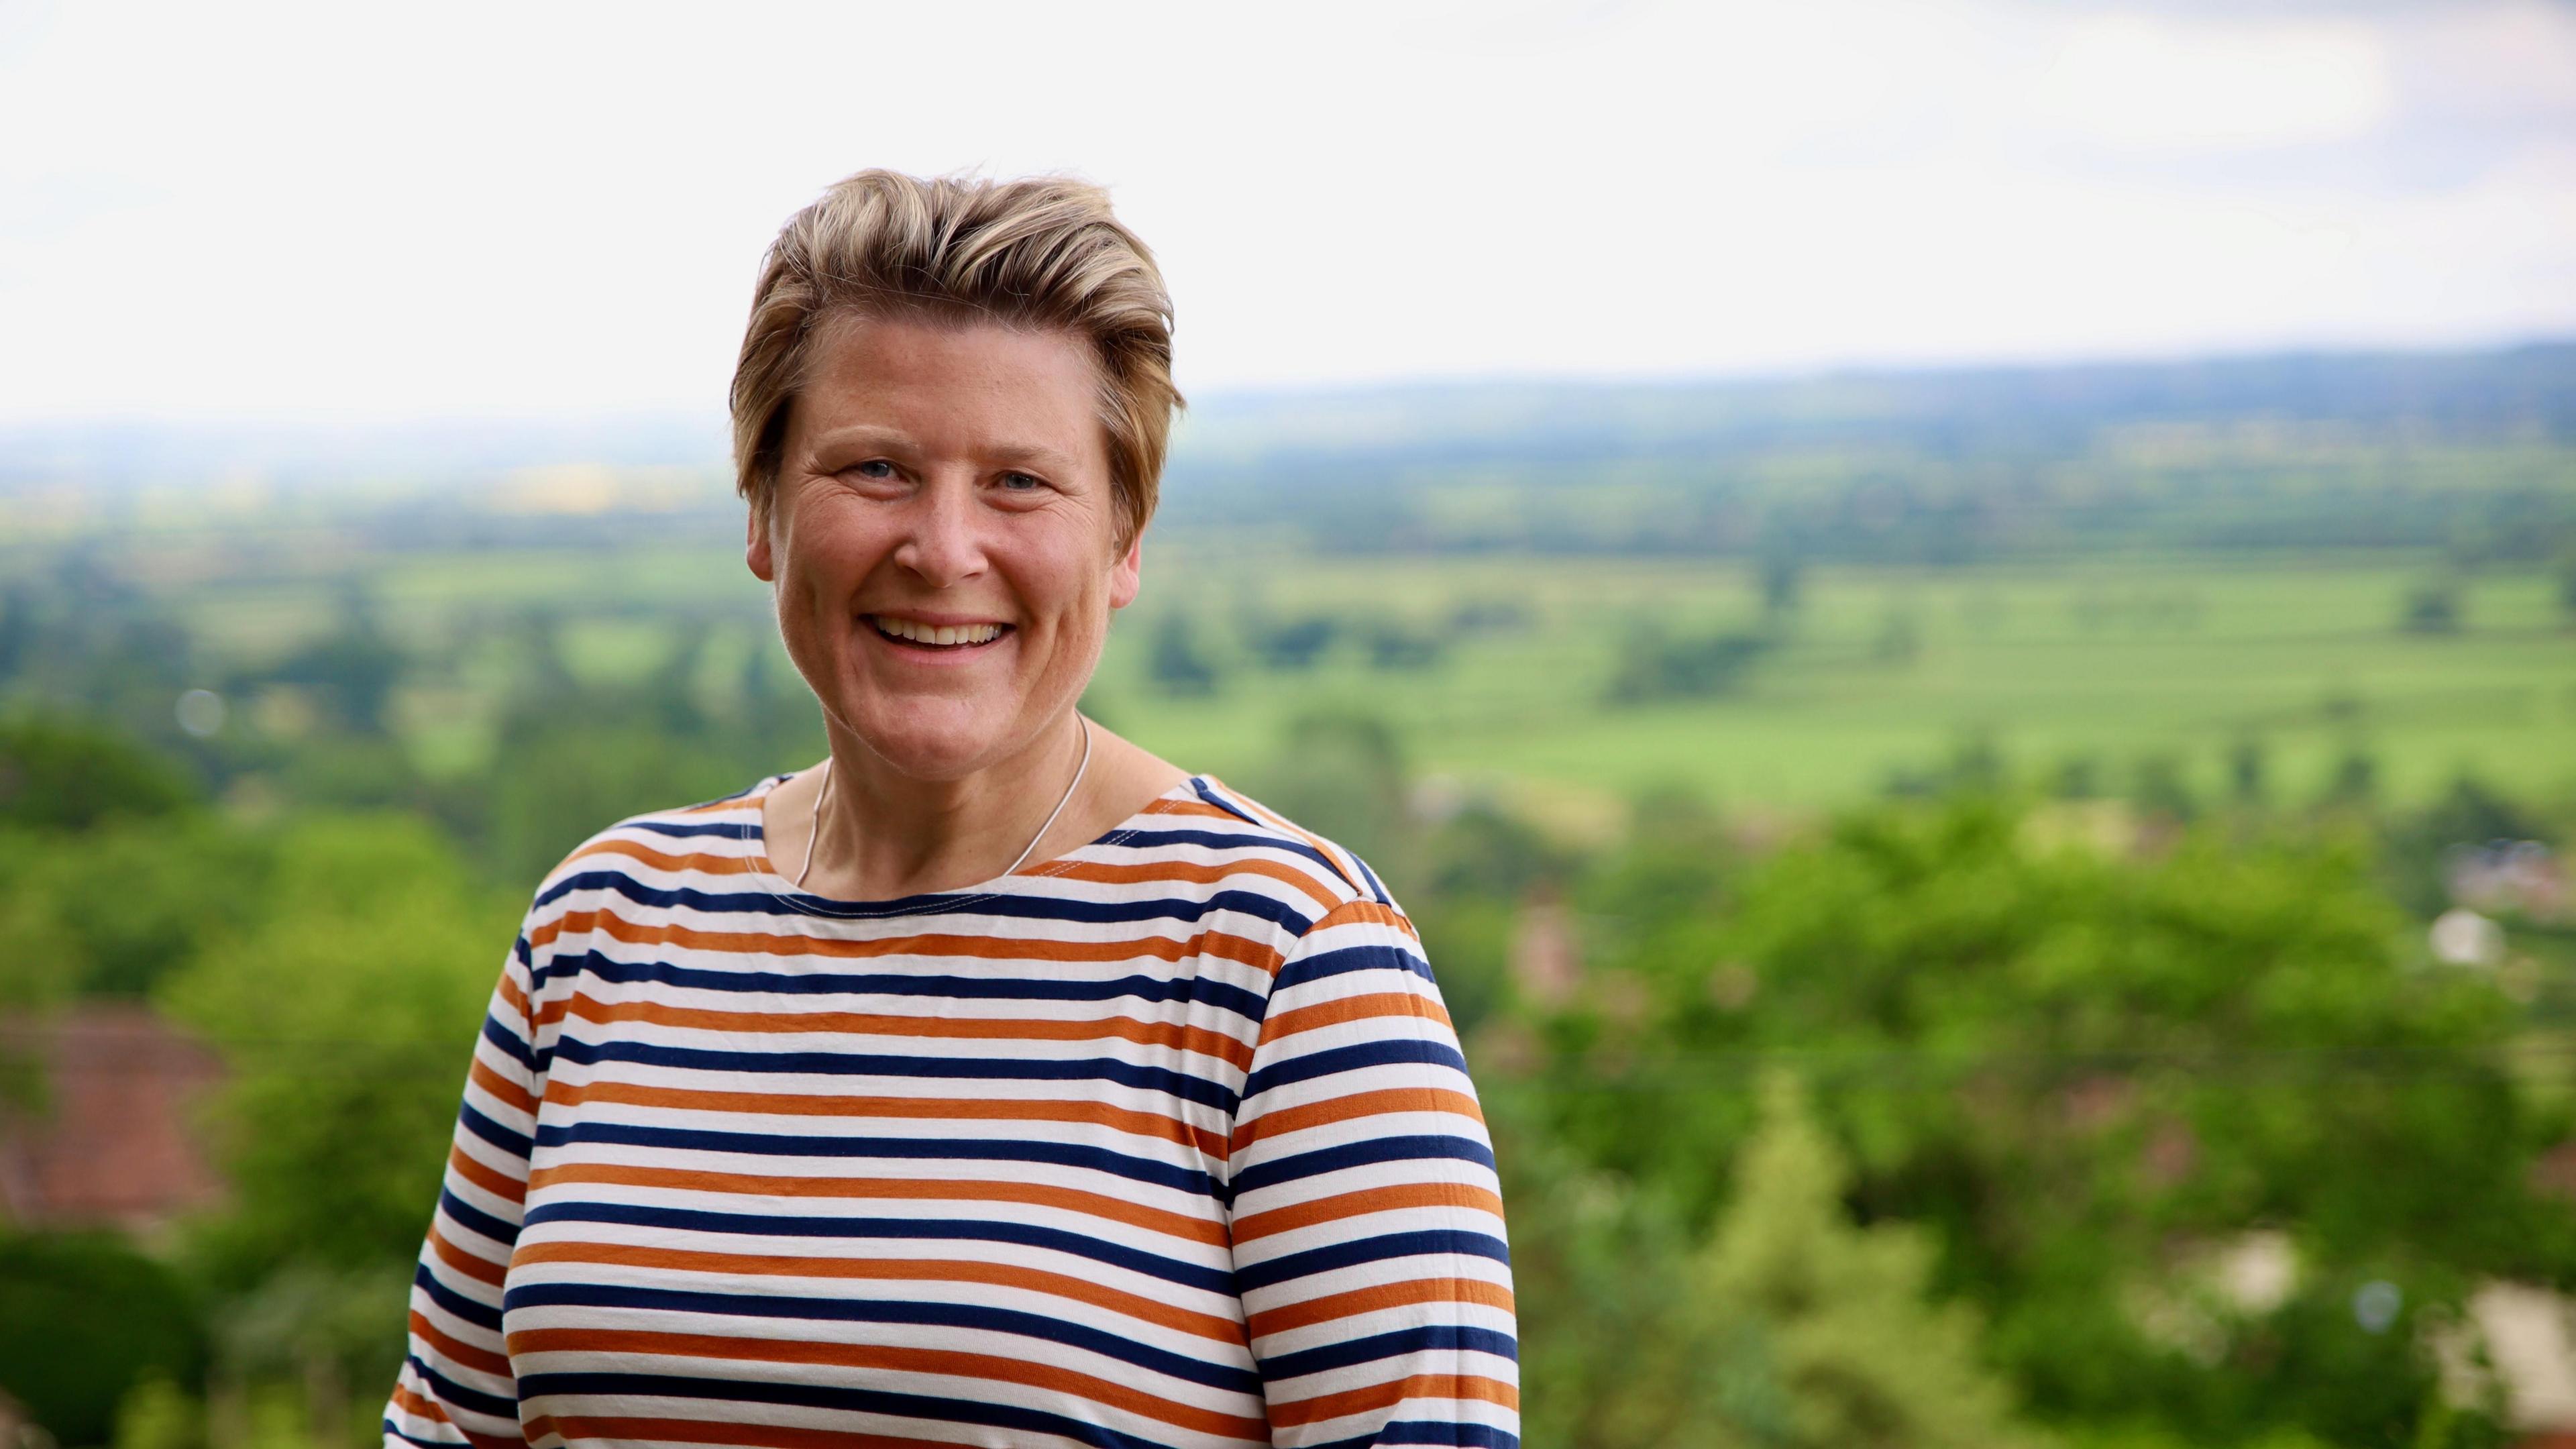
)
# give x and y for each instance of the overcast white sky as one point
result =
(359, 210)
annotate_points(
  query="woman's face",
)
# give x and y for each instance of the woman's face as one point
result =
(943, 537)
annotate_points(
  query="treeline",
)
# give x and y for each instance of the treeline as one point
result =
(1895, 508)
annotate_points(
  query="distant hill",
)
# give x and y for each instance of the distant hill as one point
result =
(2473, 452)
(2470, 452)
(2525, 391)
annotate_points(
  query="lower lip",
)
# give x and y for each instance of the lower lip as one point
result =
(906, 649)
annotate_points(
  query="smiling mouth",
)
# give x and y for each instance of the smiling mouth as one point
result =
(937, 636)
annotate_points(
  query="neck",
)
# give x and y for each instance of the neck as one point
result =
(881, 833)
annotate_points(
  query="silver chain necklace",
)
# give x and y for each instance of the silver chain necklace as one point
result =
(823, 797)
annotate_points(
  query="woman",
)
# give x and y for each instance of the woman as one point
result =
(992, 1081)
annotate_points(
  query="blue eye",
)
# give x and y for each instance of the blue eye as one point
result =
(875, 468)
(1020, 482)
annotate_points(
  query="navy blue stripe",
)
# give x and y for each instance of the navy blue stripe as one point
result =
(618, 1388)
(1229, 807)
(1427, 1338)
(1356, 1058)
(729, 829)
(1367, 1152)
(1376, 886)
(927, 987)
(1098, 1250)
(448, 1391)
(513, 1143)
(610, 880)
(910, 1311)
(1431, 1242)
(474, 1220)
(481, 1315)
(1414, 1431)
(1372, 956)
(877, 1064)
(510, 1045)
(391, 1432)
(1289, 845)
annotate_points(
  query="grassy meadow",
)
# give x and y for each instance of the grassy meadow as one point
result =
(2280, 676)
(1881, 671)
(1885, 671)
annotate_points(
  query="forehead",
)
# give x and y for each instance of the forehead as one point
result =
(967, 385)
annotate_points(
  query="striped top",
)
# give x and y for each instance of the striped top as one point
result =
(1165, 1142)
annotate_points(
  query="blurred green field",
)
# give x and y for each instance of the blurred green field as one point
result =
(2085, 670)
(1883, 671)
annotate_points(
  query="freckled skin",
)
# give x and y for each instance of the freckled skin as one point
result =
(949, 475)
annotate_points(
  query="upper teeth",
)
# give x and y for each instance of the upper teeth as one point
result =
(940, 634)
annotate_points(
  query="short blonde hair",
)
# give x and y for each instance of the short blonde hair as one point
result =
(1042, 252)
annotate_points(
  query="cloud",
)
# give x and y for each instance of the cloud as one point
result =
(481, 207)
(2156, 82)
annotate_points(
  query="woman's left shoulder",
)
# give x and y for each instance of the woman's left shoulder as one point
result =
(1210, 832)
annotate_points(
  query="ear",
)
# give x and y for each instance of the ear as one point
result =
(755, 547)
(1127, 575)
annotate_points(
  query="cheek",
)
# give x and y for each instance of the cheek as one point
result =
(1069, 593)
(824, 561)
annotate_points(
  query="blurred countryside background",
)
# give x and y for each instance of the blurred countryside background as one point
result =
(1957, 621)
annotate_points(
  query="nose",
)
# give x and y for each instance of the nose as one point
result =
(942, 546)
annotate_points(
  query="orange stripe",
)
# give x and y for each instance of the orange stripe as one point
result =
(664, 860)
(511, 992)
(1380, 1296)
(427, 1408)
(1376, 1005)
(1349, 912)
(1333, 854)
(904, 1270)
(1357, 1104)
(1105, 873)
(982, 948)
(481, 1269)
(455, 1351)
(989, 1368)
(436, 1412)
(1435, 1387)
(501, 1087)
(1196, 1039)
(981, 1109)
(485, 1176)
(1367, 1200)
(1099, 1205)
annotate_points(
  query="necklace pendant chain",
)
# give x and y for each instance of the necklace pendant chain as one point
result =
(823, 797)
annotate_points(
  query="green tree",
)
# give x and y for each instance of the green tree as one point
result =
(59, 774)
(1178, 661)
(2081, 1070)
(109, 911)
(1344, 776)
(1785, 1326)
(345, 1016)
(84, 1318)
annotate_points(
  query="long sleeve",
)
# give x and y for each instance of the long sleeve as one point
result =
(456, 1386)
(1367, 1227)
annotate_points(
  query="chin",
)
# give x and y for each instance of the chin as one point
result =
(934, 743)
